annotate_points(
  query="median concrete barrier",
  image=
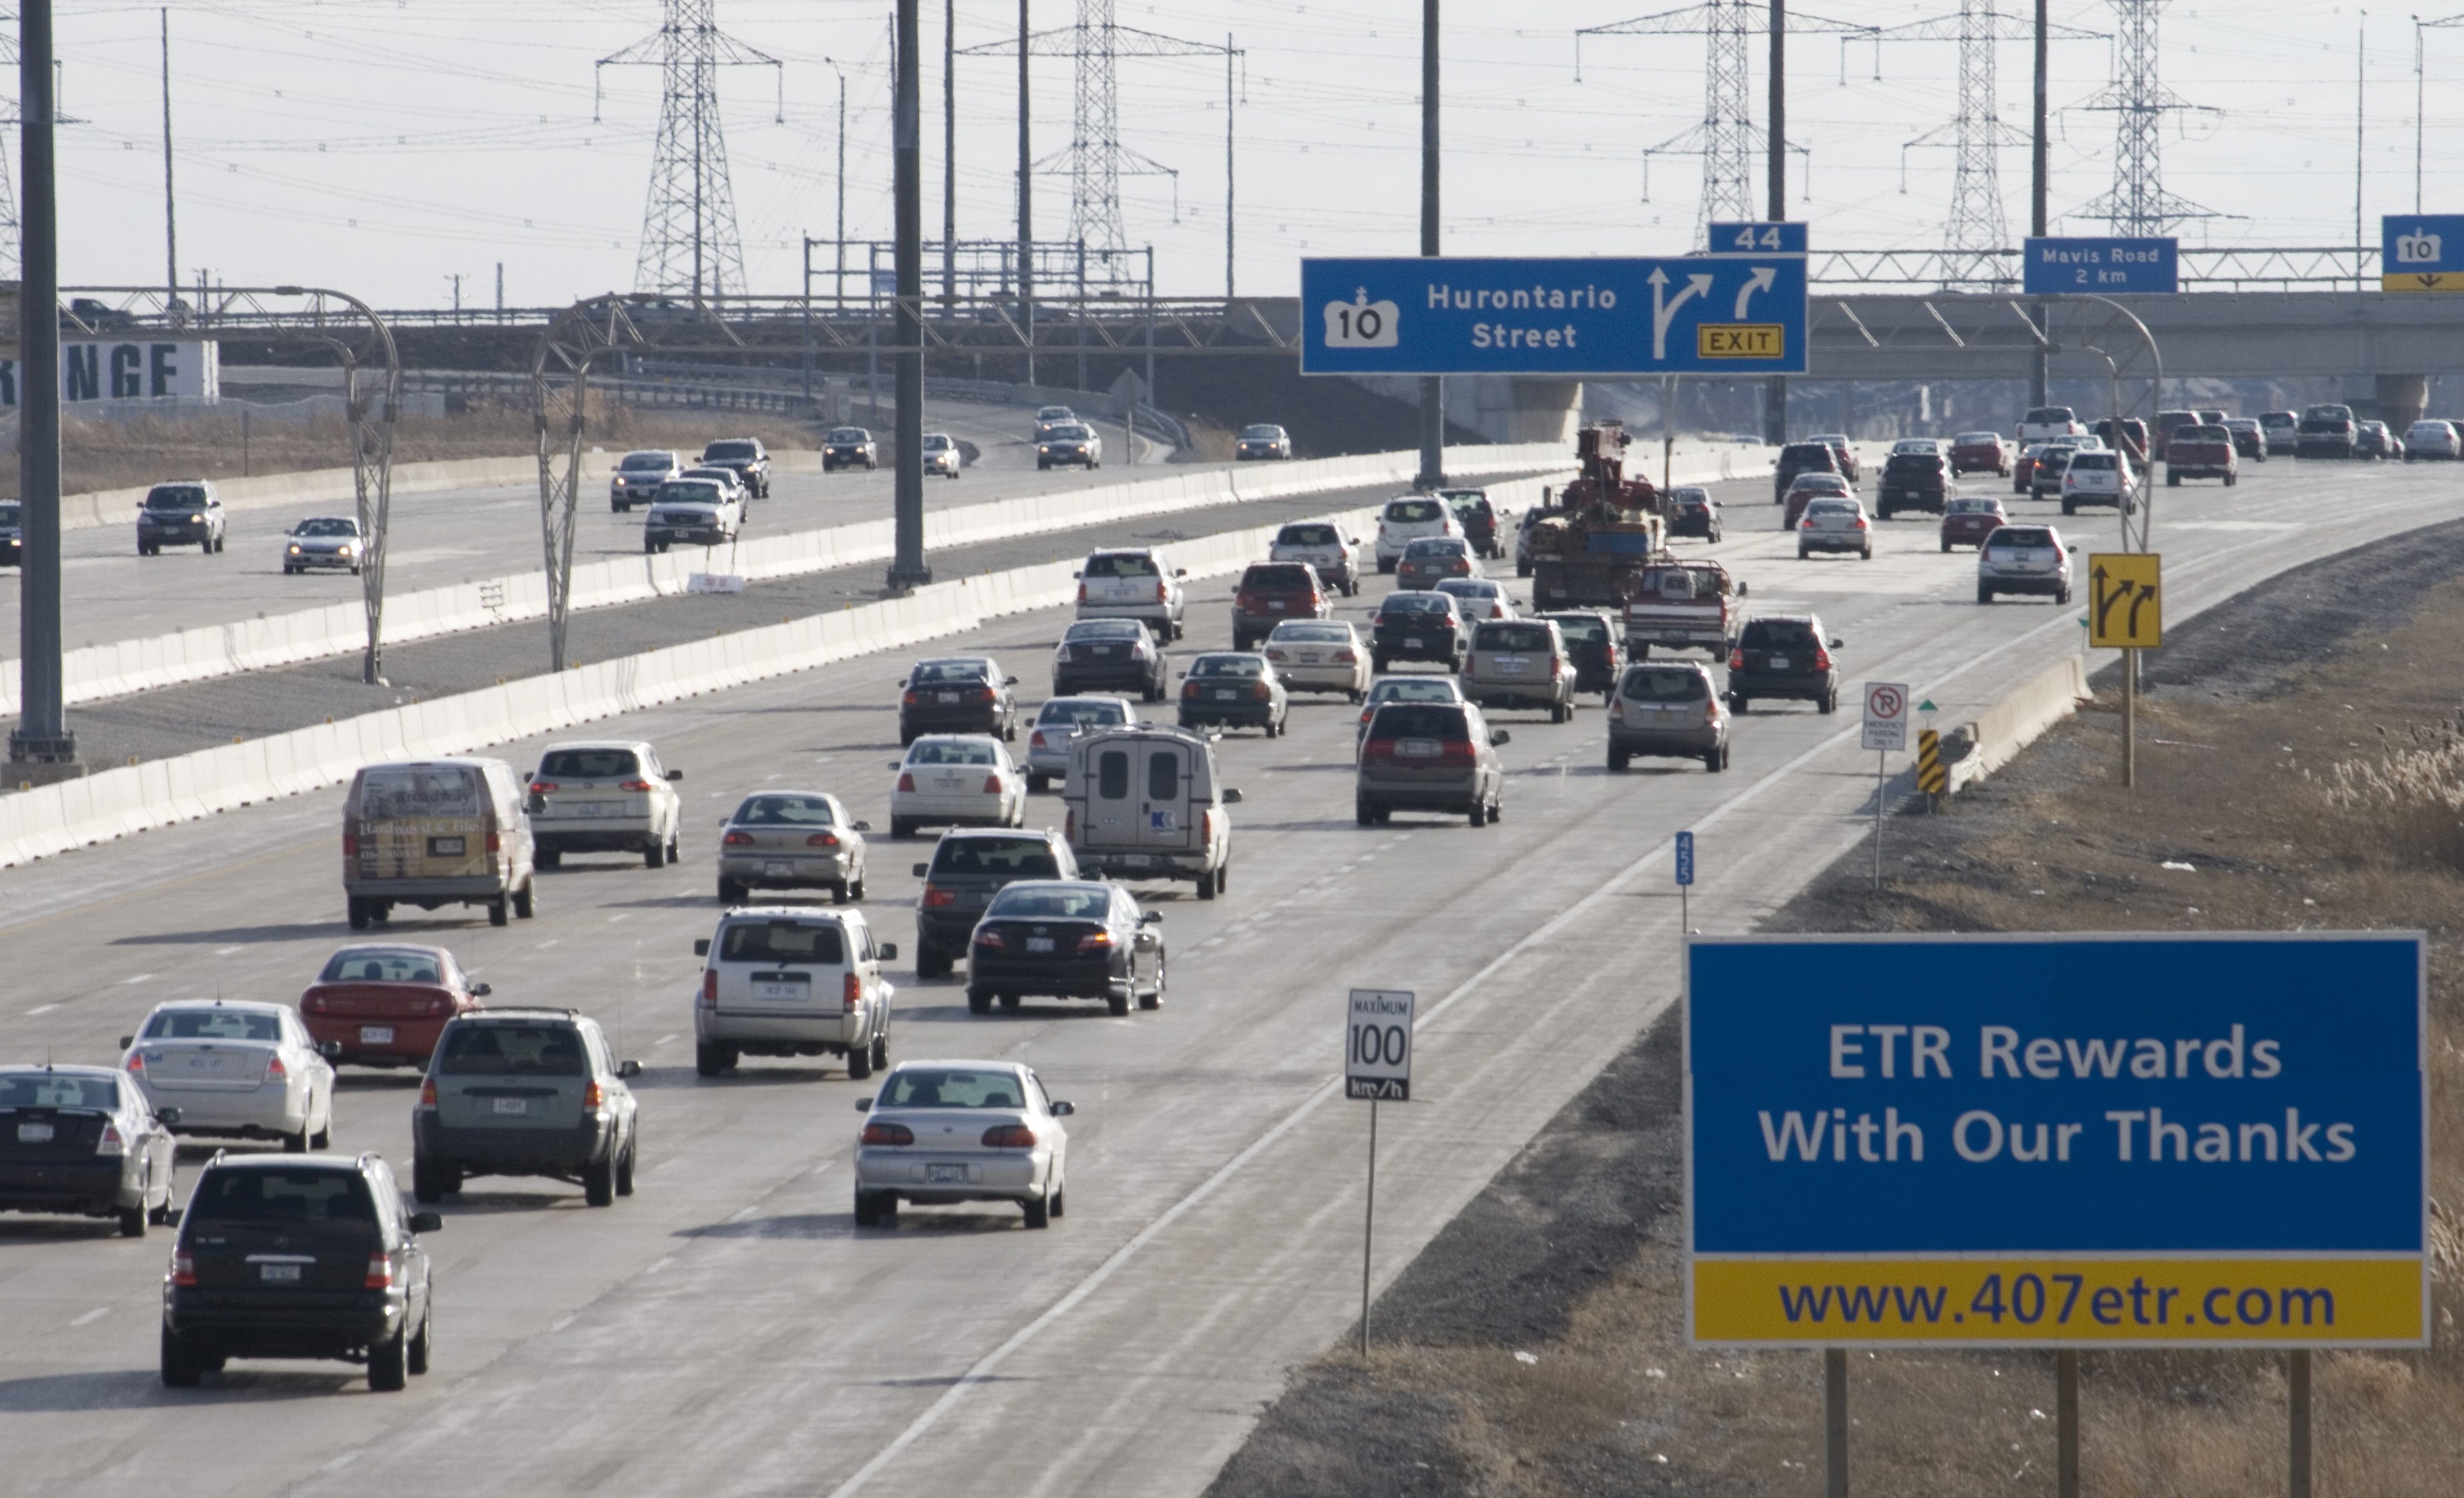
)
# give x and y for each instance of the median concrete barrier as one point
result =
(2019, 719)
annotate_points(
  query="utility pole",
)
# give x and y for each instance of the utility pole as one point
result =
(907, 569)
(1227, 166)
(41, 747)
(501, 291)
(170, 219)
(1433, 388)
(1026, 204)
(840, 283)
(949, 151)
(1775, 388)
(2361, 122)
(2039, 160)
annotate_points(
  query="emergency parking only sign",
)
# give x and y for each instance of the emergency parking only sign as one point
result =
(2110, 1141)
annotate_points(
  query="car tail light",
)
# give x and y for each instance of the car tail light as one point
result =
(428, 1091)
(738, 839)
(1556, 668)
(184, 1268)
(1346, 656)
(934, 898)
(710, 988)
(911, 699)
(276, 1071)
(1261, 693)
(543, 787)
(879, 1133)
(494, 843)
(1273, 654)
(1805, 524)
(1497, 611)
(906, 782)
(1189, 689)
(1861, 522)
(1821, 659)
(593, 1097)
(992, 785)
(136, 1064)
(1009, 1135)
(380, 1274)
(1456, 754)
(636, 785)
(1162, 593)
(992, 941)
(1379, 750)
(350, 845)
(1081, 593)
(1095, 941)
(983, 694)
(1035, 740)
(111, 1143)
(850, 992)
(1736, 660)
(1616, 710)
(312, 1004)
(823, 840)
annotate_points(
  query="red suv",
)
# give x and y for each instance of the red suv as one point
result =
(1271, 593)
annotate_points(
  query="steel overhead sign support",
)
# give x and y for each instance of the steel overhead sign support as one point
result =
(1727, 315)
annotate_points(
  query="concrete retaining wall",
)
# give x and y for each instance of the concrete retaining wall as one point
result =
(2022, 716)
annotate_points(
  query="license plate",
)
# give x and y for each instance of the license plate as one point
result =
(1311, 658)
(1225, 697)
(777, 990)
(1418, 749)
(376, 1034)
(1135, 861)
(592, 808)
(1274, 605)
(205, 1063)
(1672, 634)
(1779, 662)
(512, 1107)
(778, 869)
(1039, 943)
(444, 847)
(278, 1273)
(33, 1134)
(1515, 663)
(940, 1174)
(949, 697)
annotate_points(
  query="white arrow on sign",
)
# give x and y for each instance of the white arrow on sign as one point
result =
(1760, 281)
(1663, 312)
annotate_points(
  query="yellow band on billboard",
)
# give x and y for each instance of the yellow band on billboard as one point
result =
(2273, 1302)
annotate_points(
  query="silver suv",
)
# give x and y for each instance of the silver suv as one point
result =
(1430, 757)
(792, 981)
(1520, 663)
(605, 797)
(2024, 559)
(525, 1092)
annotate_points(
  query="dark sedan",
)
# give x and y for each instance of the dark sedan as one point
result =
(849, 447)
(1591, 644)
(963, 694)
(1066, 939)
(78, 1140)
(1233, 689)
(1109, 654)
(1419, 626)
(1693, 512)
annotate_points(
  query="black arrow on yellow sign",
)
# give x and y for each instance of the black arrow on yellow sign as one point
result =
(2106, 600)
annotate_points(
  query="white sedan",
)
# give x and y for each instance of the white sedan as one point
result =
(945, 1132)
(1480, 597)
(1320, 656)
(956, 781)
(235, 1069)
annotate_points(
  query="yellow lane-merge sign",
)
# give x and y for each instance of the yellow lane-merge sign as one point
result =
(2125, 600)
(1741, 340)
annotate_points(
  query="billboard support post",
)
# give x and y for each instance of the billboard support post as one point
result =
(2297, 1382)
(2066, 1423)
(1835, 1423)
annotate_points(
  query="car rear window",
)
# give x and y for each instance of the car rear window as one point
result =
(1228, 665)
(784, 811)
(782, 942)
(949, 751)
(51, 1090)
(949, 671)
(1306, 536)
(731, 452)
(1418, 721)
(2208, 434)
(1121, 564)
(1014, 857)
(1972, 507)
(1310, 634)
(1770, 634)
(1416, 689)
(1924, 461)
(212, 1024)
(1801, 453)
(1437, 546)
(1105, 629)
(947, 1087)
(1512, 637)
(1416, 604)
(1051, 904)
(498, 1048)
(1415, 511)
(1276, 577)
(1665, 684)
(1979, 439)
(1084, 714)
(1112, 774)
(2011, 539)
(297, 1197)
(367, 966)
(2042, 414)
(394, 793)
(1590, 628)
(2327, 413)
(2097, 461)
(588, 764)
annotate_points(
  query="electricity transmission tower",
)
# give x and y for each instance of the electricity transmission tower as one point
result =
(689, 240)
(2139, 102)
(1727, 138)
(1978, 227)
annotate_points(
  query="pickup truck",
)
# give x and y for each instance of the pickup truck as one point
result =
(2201, 452)
(1689, 605)
(2326, 431)
(2049, 422)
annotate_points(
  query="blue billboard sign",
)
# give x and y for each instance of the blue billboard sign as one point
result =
(1757, 238)
(2421, 252)
(2104, 266)
(2202, 1140)
(1734, 315)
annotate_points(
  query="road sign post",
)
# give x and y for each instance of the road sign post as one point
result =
(1378, 1067)
(2127, 613)
(1885, 729)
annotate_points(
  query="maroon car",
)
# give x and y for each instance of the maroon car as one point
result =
(384, 1006)
(1969, 521)
(1270, 593)
(1980, 452)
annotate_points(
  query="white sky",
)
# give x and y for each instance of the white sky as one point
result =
(382, 145)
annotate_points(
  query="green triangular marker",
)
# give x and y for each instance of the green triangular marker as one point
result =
(1928, 706)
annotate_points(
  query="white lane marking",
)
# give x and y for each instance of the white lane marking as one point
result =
(143, 977)
(661, 1041)
(566, 1320)
(550, 942)
(340, 1461)
(660, 1265)
(92, 1317)
(985, 1366)
(225, 951)
(612, 920)
(42, 1008)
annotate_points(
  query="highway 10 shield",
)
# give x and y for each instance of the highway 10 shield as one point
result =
(1377, 1045)
(2109, 1140)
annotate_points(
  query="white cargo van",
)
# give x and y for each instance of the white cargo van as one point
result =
(1144, 803)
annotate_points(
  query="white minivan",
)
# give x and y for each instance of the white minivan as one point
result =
(1133, 582)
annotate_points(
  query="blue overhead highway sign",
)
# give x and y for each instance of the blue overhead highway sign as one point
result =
(2421, 252)
(2104, 266)
(1725, 315)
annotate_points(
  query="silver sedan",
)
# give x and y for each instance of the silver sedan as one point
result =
(791, 839)
(323, 541)
(1320, 656)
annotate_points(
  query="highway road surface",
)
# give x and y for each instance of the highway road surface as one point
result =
(456, 535)
(728, 1331)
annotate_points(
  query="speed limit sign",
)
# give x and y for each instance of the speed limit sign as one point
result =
(1377, 1045)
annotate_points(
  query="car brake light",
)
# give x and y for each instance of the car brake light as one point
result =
(738, 839)
(350, 845)
(494, 843)
(906, 782)
(1821, 659)
(636, 785)
(850, 992)
(823, 840)
(593, 1097)
(1081, 593)
(1035, 740)
(911, 699)
(710, 988)
(1009, 1135)
(1273, 654)
(1161, 593)
(992, 785)
(1346, 658)
(1189, 689)
(1861, 522)
(934, 898)
(1456, 753)
(276, 1071)
(1260, 692)
(1377, 748)
(380, 1274)
(184, 1268)
(137, 1063)
(1736, 660)
(992, 939)
(428, 1093)
(983, 694)
(878, 1133)
(543, 787)
(111, 1143)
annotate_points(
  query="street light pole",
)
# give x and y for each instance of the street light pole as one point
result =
(2039, 161)
(1433, 388)
(907, 569)
(41, 747)
(1775, 388)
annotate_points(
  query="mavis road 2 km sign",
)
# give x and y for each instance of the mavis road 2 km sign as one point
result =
(2099, 266)
(1377, 1045)
(1732, 314)
(2213, 1140)
(1886, 716)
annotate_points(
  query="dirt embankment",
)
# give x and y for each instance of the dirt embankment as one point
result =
(2302, 764)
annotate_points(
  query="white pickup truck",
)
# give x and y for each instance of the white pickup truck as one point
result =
(1687, 605)
(2050, 423)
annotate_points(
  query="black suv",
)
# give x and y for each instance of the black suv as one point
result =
(1419, 626)
(745, 455)
(968, 867)
(1591, 644)
(1478, 518)
(1802, 457)
(298, 1256)
(1782, 655)
(1913, 481)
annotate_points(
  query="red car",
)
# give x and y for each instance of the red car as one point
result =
(384, 1006)
(1270, 593)
(1980, 452)
(1969, 521)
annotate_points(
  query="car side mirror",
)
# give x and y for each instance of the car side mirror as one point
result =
(481, 990)
(1232, 795)
(126, 1041)
(894, 764)
(702, 947)
(1180, 571)
(1743, 588)
(889, 951)
(330, 1050)
(1009, 681)
(1063, 1109)
(675, 774)
(1498, 736)
(426, 1223)
(1836, 641)
(1077, 574)
(166, 1115)
(171, 1215)
(1152, 918)
(628, 1069)
(862, 827)
(2074, 550)
(864, 1105)
(1356, 541)
(923, 869)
